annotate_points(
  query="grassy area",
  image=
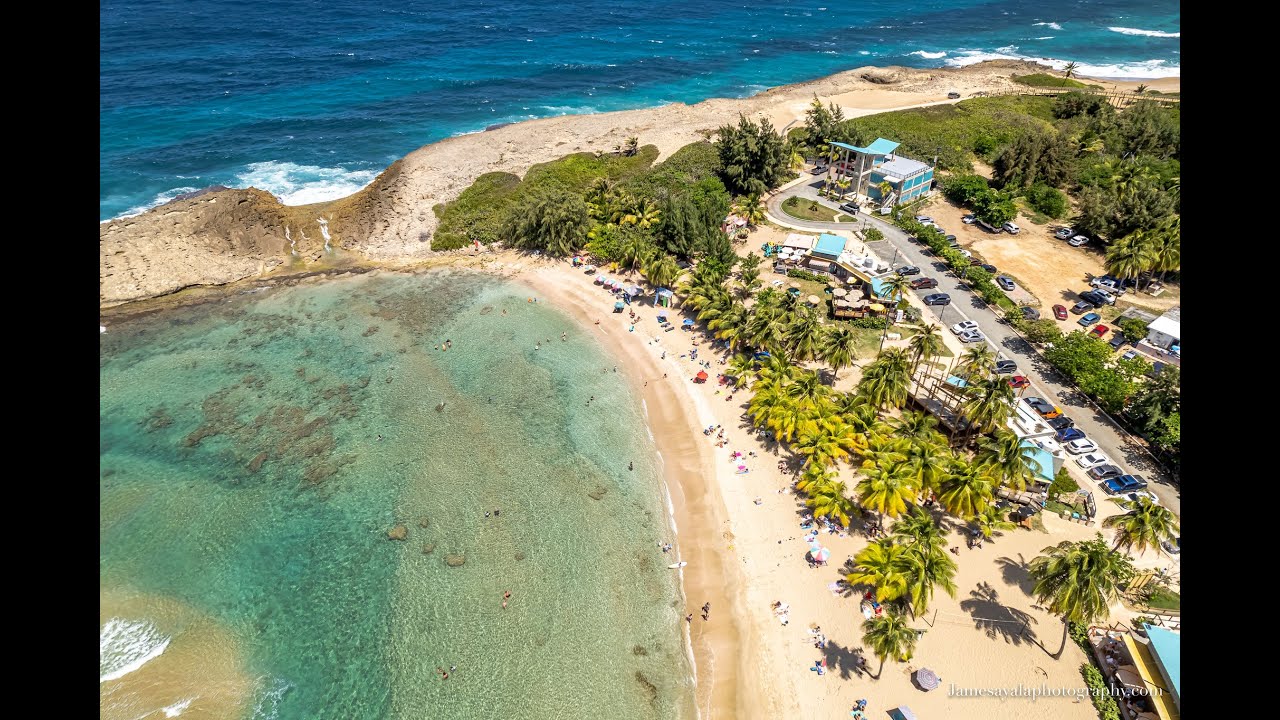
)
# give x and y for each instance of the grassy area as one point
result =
(1050, 81)
(845, 218)
(478, 212)
(1163, 599)
(806, 209)
(1032, 214)
(957, 132)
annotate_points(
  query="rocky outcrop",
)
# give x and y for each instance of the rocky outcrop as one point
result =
(454, 560)
(399, 532)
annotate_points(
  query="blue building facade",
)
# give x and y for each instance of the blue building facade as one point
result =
(868, 167)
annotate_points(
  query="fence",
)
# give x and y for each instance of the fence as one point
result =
(1115, 97)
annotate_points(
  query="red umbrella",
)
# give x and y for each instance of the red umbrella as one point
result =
(702, 375)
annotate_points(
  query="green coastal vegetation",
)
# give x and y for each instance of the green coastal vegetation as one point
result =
(1048, 81)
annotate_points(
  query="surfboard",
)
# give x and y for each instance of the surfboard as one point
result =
(678, 565)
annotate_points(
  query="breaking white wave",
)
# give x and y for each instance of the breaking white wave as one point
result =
(1050, 25)
(1145, 33)
(929, 55)
(267, 706)
(125, 646)
(1135, 70)
(158, 200)
(176, 709)
(297, 184)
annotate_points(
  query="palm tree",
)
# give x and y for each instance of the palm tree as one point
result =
(991, 519)
(844, 184)
(977, 361)
(661, 270)
(837, 349)
(927, 567)
(632, 146)
(1012, 463)
(1130, 256)
(917, 427)
(895, 288)
(752, 210)
(1142, 88)
(887, 490)
(805, 336)
(889, 636)
(808, 389)
(887, 380)
(742, 368)
(646, 213)
(967, 489)
(925, 346)
(1165, 246)
(883, 450)
(813, 477)
(1144, 526)
(927, 463)
(829, 500)
(879, 566)
(918, 528)
(886, 189)
(1079, 581)
(989, 404)
(826, 445)
(635, 251)
(1069, 71)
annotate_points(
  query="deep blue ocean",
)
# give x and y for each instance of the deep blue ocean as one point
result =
(310, 100)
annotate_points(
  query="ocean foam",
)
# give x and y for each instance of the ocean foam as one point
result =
(157, 201)
(176, 709)
(1046, 37)
(295, 184)
(1051, 25)
(1134, 70)
(929, 55)
(1145, 33)
(268, 705)
(125, 646)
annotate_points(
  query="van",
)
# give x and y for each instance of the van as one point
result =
(1011, 228)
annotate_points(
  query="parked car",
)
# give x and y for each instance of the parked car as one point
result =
(1017, 382)
(1061, 422)
(1131, 354)
(937, 299)
(818, 170)
(1173, 548)
(988, 227)
(1011, 228)
(1078, 241)
(1069, 434)
(1043, 407)
(908, 270)
(1064, 233)
(1136, 494)
(968, 219)
(924, 219)
(1082, 445)
(966, 253)
(1104, 472)
(1105, 296)
(1006, 367)
(964, 326)
(1089, 319)
(987, 266)
(1108, 283)
(1118, 340)
(1030, 313)
(1060, 312)
(1124, 484)
(1093, 298)
(1092, 459)
(1099, 331)
(851, 208)
(953, 95)
(1080, 307)
(1005, 282)
(949, 238)
(969, 336)
(924, 283)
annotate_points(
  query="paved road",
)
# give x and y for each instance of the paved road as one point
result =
(965, 305)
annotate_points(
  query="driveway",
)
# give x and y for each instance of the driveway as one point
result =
(965, 305)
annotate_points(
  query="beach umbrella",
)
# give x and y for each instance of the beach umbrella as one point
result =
(819, 554)
(902, 712)
(813, 300)
(927, 679)
(617, 305)
(687, 322)
(877, 307)
(793, 285)
(839, 292)
(702, 375)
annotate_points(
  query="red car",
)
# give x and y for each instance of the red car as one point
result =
(1099, 330)
(1060, 312)
(1018, 382)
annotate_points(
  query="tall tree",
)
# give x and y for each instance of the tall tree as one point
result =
(555, 221)
(837, 348)
(889, 636)
(967, 489)
(754, 157)
(1004, 455)
(1079, 581)
(927, 567)
(1144, 525)
(661, 270)
(879, 566)
(887, 490)
(925, 346)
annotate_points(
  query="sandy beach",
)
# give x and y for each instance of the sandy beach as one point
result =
(744, 556)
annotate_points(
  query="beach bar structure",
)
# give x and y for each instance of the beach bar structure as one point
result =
(1146, 669)
(868, 167)
(662, 298)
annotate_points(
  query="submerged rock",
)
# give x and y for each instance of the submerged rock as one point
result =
(639, 650)
(257, 461)
(424, 521)
(519, 556)
(454, 560)
(598, 493)
(428, 548)
(649, 688)
(399, 532)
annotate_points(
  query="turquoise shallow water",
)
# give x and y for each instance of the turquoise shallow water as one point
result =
(242, 477)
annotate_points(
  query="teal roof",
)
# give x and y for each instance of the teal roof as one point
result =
(957, 381)
(878, 288)
(1043, 458)
(879, 147)
(1167, 647)
(829, 244)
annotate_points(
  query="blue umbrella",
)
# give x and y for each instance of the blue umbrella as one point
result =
(687, 323)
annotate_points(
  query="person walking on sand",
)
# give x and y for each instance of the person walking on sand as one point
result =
(630, 465)
(689, 618)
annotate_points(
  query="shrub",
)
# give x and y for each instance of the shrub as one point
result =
(870, 323)
(1042, 331)
(1062, 483)
(1133, 328)
(1101, 693)
(873, 235)
(911, 314)
(806, 275)
(1050, 201)
(962, 189)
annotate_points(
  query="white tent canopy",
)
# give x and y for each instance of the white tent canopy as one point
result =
(800, 242)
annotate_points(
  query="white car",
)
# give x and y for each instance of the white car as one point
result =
(966, 253)
(1107, 297)
(1011, 228)
(1064, 233)
(969, 336)
(1083, 445)
(1077, 241)
(1142, 493)
(965, 326)
(1092, 459)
